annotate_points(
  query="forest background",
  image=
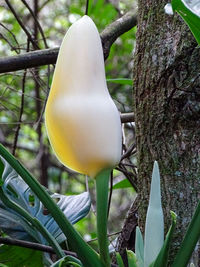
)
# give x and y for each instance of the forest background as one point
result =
(164, 98)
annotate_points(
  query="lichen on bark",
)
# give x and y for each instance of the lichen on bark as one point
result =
(167, 111)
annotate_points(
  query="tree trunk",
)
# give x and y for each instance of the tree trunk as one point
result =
(167, 112)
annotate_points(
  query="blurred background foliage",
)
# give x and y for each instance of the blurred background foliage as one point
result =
(23, 95)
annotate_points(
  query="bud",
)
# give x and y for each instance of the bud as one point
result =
(82, 121)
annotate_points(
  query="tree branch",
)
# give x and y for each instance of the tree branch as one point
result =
(117, 28)
(35, 246)
(31, 245)
(127, 117)
(49, 56)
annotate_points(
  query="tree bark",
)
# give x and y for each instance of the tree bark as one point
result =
(167, 114)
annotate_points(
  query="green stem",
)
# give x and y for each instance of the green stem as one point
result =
(35, 222)
(102, 181)
(190, 240)
(86, 254)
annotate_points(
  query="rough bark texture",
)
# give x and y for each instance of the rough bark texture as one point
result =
(167, 114)
(167, 111)
(127, 237)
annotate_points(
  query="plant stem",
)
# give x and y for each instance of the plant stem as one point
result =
(34, 221)
(86, 254)
(189, 242)
(86, 8)
(102, 181)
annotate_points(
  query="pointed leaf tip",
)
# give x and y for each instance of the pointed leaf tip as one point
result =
(154, 227)
(139, 247)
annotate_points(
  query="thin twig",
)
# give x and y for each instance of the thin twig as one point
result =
(36, 22)
(86, 8)
(21, 24)
(128, 175)
(16, 49)
(21, 108)
(31, 122)
(117, 28)
(129, 152)
(20, 114)
(111, 190)
(16, 122)
(109, 235)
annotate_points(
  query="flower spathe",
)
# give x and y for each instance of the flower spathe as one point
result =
(82, 121)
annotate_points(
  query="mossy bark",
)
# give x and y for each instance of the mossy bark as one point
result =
(167, 112)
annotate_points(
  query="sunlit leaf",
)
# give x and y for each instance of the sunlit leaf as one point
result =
(123, 184)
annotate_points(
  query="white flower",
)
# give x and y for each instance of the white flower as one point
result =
(82, 121)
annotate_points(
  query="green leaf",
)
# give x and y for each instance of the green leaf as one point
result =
(74, 207)
(132, 262)
(190, 240)
(14, 256)
(87, 255)
(162, 259)
(123, 184)
(139, 247)
(154, 226)
(121, 81)
(102, 183)
(188, 11)
(119, 260)
(67, 261)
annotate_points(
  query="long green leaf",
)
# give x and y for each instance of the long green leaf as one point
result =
(187, 11)
(190, 240)
(162, 259)
(154, 226)
(132, 262)
(87, 255)
(102, 181)
(119, 260)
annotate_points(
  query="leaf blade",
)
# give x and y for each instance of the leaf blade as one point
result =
(120, 81)
(139, 247)
(192, 19)
(162, 259)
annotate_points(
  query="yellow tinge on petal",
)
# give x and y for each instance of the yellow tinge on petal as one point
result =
(82, 121)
